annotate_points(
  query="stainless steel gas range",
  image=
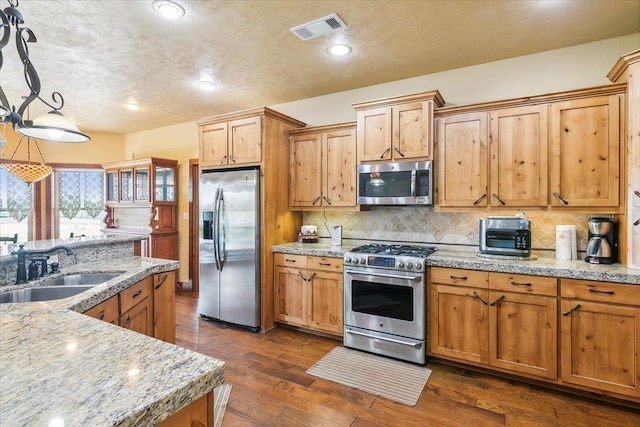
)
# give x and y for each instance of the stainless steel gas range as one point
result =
(385, 300)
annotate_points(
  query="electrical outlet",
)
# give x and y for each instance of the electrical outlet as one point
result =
(185, 216)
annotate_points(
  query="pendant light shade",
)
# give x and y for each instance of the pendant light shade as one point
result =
(28, 172)
(52, 126)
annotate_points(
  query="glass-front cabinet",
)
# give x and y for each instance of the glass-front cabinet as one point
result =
(142, 199)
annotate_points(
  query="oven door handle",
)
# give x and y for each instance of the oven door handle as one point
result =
(410, 344)
(390, 276)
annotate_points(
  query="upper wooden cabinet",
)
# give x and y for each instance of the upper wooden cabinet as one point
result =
(142, 198)
(585, 152)
(558, 151)
(398, 128)
(323, 168)
(232, 143)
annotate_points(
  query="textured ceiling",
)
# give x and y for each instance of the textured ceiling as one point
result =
(100, 54)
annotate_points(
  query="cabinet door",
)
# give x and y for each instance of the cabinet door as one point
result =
(458, 322)
(518, 152)
(164, 306)
(412, 131)
(599, 346)
(522, 333)
(462, 160)
(291, 296)
(164, 184)
(374, 134)
(139, 318)
(585, 152)
(326, 302)
(339, 185)
(213, 145)
(141, 186)
(113, 187)
(245, 141)
(305, 170)
(106, 311)
(126, 185)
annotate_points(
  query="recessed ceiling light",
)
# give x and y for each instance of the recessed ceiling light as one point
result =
(168, 9)
(132, 106)
(339, 49)
(207, 85)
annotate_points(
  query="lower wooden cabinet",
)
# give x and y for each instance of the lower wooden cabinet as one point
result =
(147, 307)
(310, 293)
(599, 336)
(494, 319)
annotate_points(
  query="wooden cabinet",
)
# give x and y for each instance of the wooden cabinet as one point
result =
(136, 307)
(398, 128)
(106, 311)
(309, 294)
(233, 143)
(494, 319)
(323, 168)
(585, 152)
(142, 198)
(599, 336)
(164, 306)
(147, 307)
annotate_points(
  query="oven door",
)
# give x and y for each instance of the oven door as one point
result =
(391, 302)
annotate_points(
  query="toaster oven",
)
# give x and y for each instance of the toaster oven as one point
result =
(505, 235)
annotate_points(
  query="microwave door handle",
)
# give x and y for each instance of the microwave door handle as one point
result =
(413, 183)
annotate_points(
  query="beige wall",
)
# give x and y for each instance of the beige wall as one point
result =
(178, 142)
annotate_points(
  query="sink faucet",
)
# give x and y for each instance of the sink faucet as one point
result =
(21, 274)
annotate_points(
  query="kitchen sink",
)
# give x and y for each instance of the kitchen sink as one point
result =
(80, 279)
(42, 293)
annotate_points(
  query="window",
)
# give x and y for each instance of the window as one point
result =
(79, 199)
(15, 206)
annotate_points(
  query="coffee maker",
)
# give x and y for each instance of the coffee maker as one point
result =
(602, 247)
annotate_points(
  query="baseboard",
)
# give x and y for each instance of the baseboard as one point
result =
(183, 286)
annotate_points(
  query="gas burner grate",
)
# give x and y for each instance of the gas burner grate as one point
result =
(395, 249)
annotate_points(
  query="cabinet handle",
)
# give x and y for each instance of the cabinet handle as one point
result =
(398, 151)
(559, 197)
(384, 153)
(480, 199)
(458, 277)
(572, 310)
(290, 260)
(128, 319)
(232, 159)
(475, 295)
(637, 193)
(326, 200)
(101, 317)
(311, 277)
(137, 294)
(497, 301)
(324, 263)
(520, 284)
(162, 281)
(223, 159)
(595, 291)
(315, 200)
(495, 196)
(637, 222)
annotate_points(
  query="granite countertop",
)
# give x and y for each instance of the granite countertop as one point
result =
(469, 258)
(56, 363)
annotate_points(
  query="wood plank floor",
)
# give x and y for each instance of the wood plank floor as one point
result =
(270, 387)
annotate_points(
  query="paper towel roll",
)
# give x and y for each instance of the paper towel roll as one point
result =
(574, 243)
(563, 242)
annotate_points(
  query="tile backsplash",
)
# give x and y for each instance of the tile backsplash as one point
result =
(421, 224)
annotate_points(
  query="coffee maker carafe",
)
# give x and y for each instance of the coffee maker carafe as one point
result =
(602, 247)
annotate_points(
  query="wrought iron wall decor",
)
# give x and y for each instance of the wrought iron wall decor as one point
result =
(52, 126)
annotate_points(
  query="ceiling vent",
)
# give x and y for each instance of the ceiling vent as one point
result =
(319, 27)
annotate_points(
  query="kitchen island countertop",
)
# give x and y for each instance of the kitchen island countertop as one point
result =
(57, 365)
(471, 259)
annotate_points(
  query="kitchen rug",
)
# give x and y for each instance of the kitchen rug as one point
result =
(392, 379)
(220, 399)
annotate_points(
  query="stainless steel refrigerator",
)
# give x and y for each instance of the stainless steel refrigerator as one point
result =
(229, 208)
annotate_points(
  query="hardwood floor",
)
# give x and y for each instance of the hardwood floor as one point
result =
(270, 387)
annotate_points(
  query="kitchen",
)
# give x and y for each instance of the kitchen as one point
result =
(439, 227)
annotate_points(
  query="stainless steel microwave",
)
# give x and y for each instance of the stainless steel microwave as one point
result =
(402, 183)
(505, 235)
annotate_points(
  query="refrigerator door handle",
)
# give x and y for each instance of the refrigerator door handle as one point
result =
(215, 225)
(221, 232)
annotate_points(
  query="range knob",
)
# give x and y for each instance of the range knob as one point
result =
(400, 264)
(362, 260)
(347, 260)
(409, 265)
(418, 266)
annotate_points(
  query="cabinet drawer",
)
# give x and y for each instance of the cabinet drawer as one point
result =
(136, 293)
(524, 284)
(289, 260)
(454, 276)
(590, 290)
(325, 263)
(106, 311)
